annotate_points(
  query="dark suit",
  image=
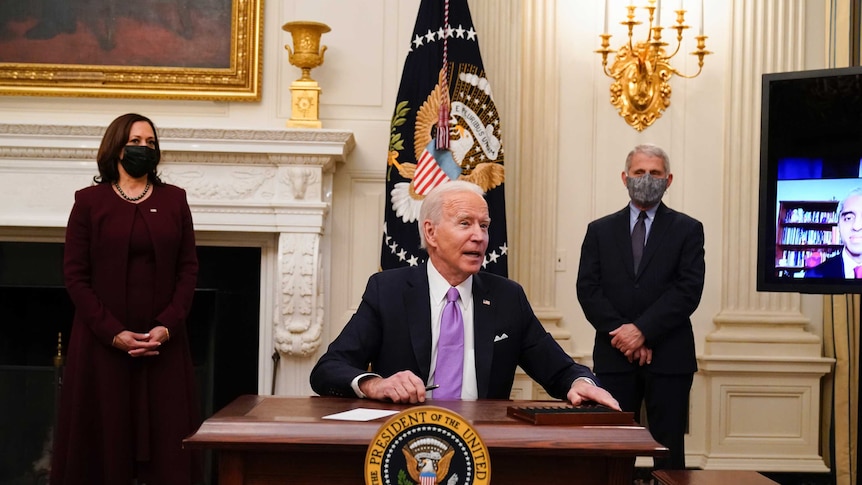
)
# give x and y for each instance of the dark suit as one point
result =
(391, 331)
(659, 300)
(831, 268)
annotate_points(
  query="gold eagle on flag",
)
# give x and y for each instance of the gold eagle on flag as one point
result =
(475, 145)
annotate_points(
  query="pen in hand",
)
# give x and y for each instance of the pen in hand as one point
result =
(432, 387)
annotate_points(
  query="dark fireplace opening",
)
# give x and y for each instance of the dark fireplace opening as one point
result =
(35, 309)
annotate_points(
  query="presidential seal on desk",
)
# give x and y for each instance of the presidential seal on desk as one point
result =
(427, 445)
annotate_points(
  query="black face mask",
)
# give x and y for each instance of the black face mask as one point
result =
(139, 160)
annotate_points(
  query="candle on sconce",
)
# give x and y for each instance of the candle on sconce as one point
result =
(607, 12)
(644, 63)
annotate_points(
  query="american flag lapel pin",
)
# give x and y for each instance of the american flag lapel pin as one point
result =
(154, 210)
(486, 302)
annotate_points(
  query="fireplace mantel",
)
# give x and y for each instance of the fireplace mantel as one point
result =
(239, 183)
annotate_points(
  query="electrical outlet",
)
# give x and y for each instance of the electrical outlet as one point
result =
(561, 260)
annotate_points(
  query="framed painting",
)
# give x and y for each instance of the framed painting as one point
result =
(162, 49)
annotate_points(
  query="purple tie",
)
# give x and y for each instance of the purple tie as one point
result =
(450, 350)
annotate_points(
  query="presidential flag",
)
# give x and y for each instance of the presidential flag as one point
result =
(445, 127)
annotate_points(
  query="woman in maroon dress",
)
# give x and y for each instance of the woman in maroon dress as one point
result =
(128, 397)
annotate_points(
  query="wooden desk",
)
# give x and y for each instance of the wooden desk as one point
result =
(710, 477)
(266, 440)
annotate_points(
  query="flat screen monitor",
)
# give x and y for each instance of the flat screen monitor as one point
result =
(810, 197)
(810, 191)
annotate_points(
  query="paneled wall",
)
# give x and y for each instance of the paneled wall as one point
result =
(566, 147)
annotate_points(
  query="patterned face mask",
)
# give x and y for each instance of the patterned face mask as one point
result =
(646, 190)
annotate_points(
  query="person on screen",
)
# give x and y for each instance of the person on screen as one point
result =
(848, 263)
(640, 278)
(390, 350)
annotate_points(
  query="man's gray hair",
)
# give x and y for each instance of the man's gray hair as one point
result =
(432, 206)
(650, 150)
(857, 192)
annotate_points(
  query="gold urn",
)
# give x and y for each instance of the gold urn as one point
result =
(306, 54)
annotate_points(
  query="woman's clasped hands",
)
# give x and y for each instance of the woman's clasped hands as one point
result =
(141, 344)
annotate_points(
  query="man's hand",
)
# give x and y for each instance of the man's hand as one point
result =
(137, 344)
(582, 391)
(627, 338)
(402, 387)
(642, 355)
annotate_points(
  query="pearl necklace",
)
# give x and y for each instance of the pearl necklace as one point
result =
(132, 199)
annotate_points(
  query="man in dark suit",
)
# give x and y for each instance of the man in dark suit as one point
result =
(396, 329)
(846, 263)
(644, 345)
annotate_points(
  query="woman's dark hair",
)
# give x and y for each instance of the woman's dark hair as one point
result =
(115, 138)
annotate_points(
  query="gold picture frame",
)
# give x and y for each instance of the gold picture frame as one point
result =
(234, 75)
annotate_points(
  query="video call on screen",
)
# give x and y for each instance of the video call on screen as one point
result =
(808, 193)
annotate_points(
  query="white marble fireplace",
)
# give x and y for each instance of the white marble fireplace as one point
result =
(267, 189)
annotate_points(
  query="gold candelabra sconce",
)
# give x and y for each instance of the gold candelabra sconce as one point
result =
(641, 70)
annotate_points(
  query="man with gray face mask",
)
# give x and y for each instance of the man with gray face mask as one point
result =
(640, 278)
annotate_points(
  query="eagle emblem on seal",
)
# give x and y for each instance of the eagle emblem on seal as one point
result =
(428, 460)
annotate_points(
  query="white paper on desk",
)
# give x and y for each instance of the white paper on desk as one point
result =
(361, 414)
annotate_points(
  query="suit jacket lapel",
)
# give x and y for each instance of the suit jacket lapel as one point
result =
(483, 333)
(417, 309)
(658, 231)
